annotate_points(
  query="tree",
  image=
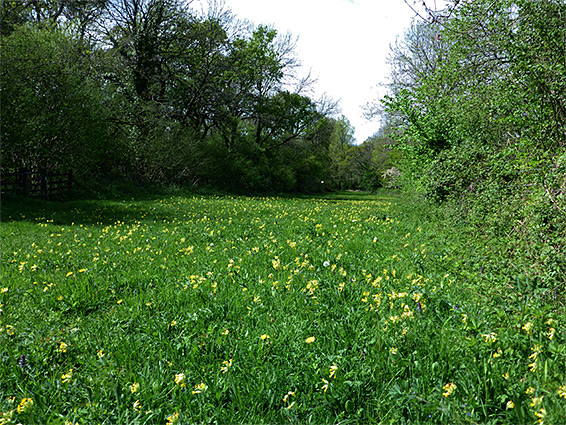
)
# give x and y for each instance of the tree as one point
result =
(484, 129)
(51, 105)
(341, 142)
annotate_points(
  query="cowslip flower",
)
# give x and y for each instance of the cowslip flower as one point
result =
(173, 419)
(62, 348)
(325, 386)
(510, 405)
(67, 377)
(25, 405)
(276, 263)
(180, 379)
(448, 389)
(226, 364)
(292, 393)
(264, 337)
(310, 339)
(199, 388)
(490, 337)
(527, 327)
(137, 406)
(333, 370)
(541, 415)
(562, 391)
(6, 417)
(135, 387)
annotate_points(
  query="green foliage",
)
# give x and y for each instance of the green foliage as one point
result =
(51, 114)
(479, 99)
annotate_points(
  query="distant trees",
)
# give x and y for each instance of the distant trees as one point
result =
(356, 166)
(147, 90)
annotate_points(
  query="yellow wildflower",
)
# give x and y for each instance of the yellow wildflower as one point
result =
(173, 419)
(6, 417)
(510, 404)
(67, 377)
(292, 393)
(536, 401)
(490, 337)
(333, 370)
(25, 405)
(180, 379)
(310, 339)
(63, 348)
(541, 415)
(226, 364)
(199, 388)
(264, 337)
(135, 387)
(276, 263)
(448, 389)
(325, 386)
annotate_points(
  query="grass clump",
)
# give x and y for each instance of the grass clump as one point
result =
(264, 310)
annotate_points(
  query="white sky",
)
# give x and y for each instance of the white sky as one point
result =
(345, 43)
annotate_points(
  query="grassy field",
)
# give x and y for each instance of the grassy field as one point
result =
(187, 309)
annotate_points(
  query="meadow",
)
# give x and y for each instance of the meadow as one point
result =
(197, 309)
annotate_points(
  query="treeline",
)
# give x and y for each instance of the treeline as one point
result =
(478, 104)
(149, 91)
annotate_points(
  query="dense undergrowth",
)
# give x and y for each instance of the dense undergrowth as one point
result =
(345, 309)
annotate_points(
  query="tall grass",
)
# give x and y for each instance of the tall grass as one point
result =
(264, 310)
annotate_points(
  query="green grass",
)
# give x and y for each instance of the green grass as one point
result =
(345, 309)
